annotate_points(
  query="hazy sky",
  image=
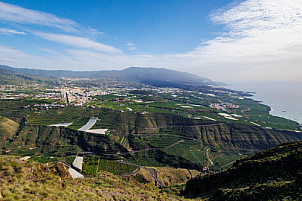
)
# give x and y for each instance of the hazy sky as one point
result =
(224, 40)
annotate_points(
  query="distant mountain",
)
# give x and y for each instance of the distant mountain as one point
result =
(8, 76)
(153, 76)
(274, 174)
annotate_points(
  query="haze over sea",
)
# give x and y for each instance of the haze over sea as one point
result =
(285, 99)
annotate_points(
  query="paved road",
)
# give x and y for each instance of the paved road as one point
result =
(152, 172)
(132, 173)
(192, 177)
(154, 175)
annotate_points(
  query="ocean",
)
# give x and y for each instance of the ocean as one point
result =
(285, 99)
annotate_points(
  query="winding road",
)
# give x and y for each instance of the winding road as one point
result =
(152, 172)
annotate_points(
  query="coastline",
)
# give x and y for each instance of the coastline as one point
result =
(283, 99)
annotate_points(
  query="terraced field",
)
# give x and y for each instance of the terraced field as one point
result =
(163, 140)
(92, 165)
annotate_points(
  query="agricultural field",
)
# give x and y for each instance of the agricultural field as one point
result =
(92, 165)
(150, 126)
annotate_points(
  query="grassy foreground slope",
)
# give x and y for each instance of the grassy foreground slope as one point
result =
(274, 174)
(21, 180)
(8, 127)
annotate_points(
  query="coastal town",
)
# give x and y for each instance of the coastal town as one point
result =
(138, 98)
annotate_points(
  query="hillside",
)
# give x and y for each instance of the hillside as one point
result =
(21, 180)
(139, 124)
(8, 128)
(156, 139)
(274, 174)
(153, 76)
(9, 77)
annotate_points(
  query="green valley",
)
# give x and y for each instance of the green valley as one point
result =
(158, 135)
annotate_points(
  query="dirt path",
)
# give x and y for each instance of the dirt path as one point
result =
(178, 125)
(174, 144)
(228, 164)
(208, 157)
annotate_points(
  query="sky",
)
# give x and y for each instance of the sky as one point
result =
(224, 40)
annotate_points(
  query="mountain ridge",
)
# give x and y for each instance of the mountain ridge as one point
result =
(141, 74)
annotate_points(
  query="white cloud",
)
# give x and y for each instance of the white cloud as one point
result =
(131, 46)
(79, 42)
(11, 31)
(262, 40)
(18, 14)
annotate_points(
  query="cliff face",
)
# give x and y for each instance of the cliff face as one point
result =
(58, 141)
(240, 136)
(137, 123)
(227, 136)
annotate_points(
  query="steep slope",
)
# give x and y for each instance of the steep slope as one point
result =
(162, 138)
(269, 175)
(58, 141)
(8, 128)
(21, 180)
(239, 136)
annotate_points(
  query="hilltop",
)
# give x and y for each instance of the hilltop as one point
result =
(273, 174)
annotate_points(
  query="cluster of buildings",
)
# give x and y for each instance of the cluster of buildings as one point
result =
(77, 96)
(16, 91)
(223, 106)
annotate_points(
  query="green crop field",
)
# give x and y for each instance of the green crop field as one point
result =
(93, 164)
(79, 123)
(183, 150)
(163, 140)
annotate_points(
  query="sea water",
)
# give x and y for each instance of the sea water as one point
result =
(285, 99)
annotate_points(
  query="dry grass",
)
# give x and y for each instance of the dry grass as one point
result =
(147, 176)
(35, 181)
(167, 175)
(8, 127)
(171, 176)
